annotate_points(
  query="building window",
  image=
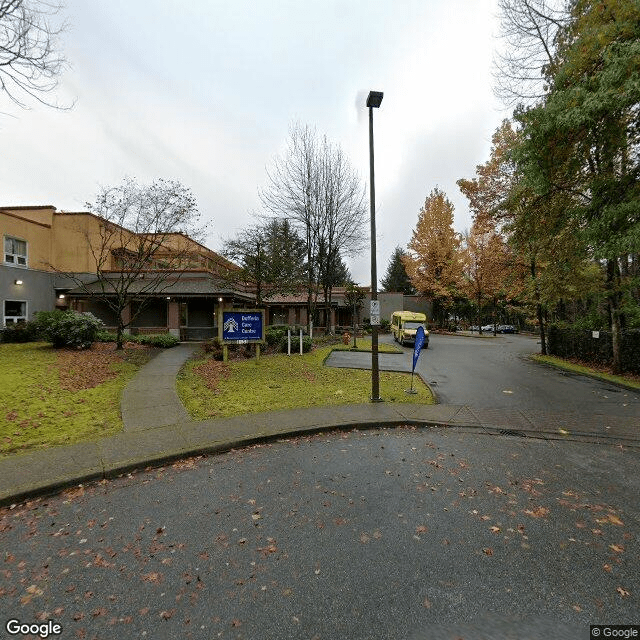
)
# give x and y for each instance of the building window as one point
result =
(279, 316)
(15, 311)
(15, 251)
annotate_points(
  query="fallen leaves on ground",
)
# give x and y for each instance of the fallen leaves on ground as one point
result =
(153, 577)
(212, 371)
(610, 518)
(88, 368)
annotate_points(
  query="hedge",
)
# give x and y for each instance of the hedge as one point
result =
(580, 344)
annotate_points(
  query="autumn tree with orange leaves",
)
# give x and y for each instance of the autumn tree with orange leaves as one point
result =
(486, 267)
(434, 260)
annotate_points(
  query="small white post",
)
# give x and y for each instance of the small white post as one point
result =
(300, 341)
(288, 342)
(311, 329)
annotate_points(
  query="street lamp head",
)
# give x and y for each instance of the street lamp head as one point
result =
(374, 99)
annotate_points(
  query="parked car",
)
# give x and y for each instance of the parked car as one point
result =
(474, 327)
(487, 327)
(506, 328)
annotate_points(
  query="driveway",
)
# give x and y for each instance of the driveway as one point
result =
(496, 373)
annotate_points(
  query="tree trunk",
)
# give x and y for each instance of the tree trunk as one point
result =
(613, 298)
(119, 337)
(543, 337)
(539, 310)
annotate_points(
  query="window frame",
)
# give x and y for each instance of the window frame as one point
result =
(15, 319)
(15, 257)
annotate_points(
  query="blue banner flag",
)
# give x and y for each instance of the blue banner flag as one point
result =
(418, 346)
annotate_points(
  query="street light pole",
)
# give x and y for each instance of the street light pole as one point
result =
(373, 101)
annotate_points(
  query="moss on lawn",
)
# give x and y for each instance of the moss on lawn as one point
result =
(37, 411)
(212, 389)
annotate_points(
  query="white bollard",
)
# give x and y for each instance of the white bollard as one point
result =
(288, 342)
(300, 341)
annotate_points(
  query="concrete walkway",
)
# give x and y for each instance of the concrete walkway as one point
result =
(157, 429)
(150, 399)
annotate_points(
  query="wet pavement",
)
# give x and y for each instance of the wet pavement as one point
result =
(397, 533)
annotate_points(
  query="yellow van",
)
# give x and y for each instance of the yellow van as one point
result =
(404, 325)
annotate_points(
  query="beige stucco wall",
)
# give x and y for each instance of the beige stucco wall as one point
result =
(34, 226)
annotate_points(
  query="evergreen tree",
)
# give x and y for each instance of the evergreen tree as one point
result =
(396, 278)
(271, 257)
(583, 141)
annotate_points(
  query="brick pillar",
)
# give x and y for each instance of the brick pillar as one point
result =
(173, 318)
(291, 320)
(332, 321)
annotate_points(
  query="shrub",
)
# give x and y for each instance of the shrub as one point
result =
(307, 344)
(571, 342)
(274, 335)
(214, 348)
(105, 336)
(385, 325)
(68, 328)
(163, 340)
(20, 332)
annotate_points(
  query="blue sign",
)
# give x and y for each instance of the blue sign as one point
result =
(418, 347)
(242, 326)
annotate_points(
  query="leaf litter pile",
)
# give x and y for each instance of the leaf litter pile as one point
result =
(88, 368)
(370, 535)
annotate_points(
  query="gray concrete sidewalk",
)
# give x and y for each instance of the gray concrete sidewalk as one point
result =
(157, 429)
(151, 399)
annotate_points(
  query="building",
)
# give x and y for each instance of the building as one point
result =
(51, 260)
(338, 317)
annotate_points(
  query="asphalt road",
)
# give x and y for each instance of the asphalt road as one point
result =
(394, 534)
(496, 373)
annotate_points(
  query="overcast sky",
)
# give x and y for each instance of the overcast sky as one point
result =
(205, 91)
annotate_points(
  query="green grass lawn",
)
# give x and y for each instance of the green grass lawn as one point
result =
(627, 380)
(212, 389)
(36, 411)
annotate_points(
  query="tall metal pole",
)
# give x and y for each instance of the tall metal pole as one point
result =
(375, 372)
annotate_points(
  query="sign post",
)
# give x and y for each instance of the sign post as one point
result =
(374, 313)
(417, 349)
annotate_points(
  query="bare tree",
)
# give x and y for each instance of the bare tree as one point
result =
(30, 62)
(314, 185)
(529, 29)
(344, 213)
(142, 240)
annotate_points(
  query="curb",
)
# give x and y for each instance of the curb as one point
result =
(128, 466)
